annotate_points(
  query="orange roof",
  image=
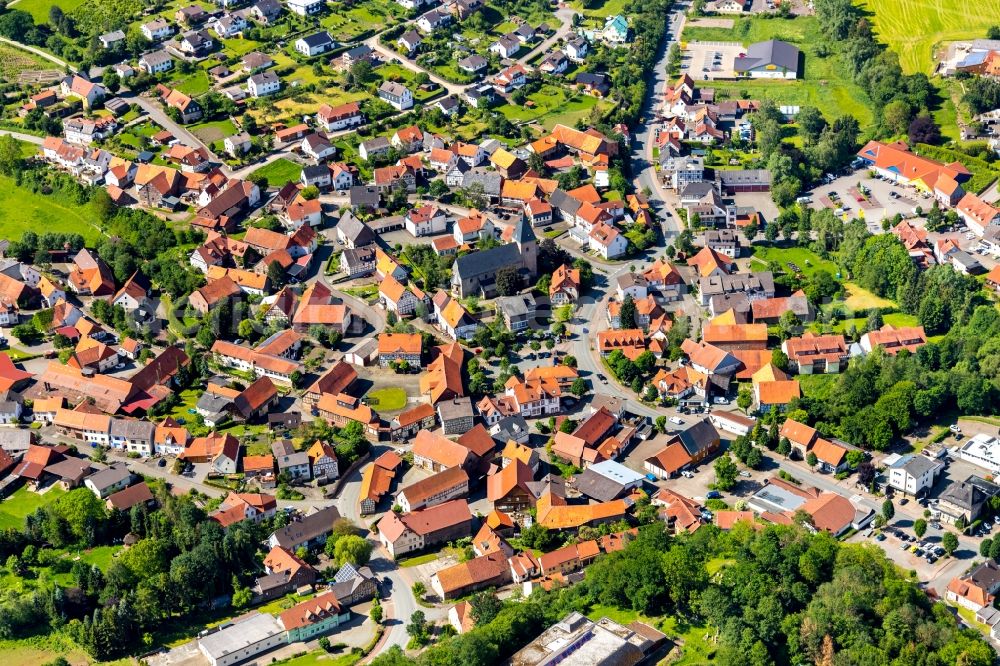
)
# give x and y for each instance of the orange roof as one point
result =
(831, 512)
(621, 339)
(721, 334)
(519, 190)
(798, 432)
(896, 157)
(708, 260)
(439, 449)
(778, 392)
(443, 378)
(258, 463)
(565, 516)
(725, 520)
(310, 612)
(399, 343)
(671, 459)
(971, 592)
(994, 275)
(893, 339)
(828, 452)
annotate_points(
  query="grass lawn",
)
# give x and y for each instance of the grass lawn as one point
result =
(213, 131)
(44, 649)
(280, 171)
(22, 210)
(897, 319)
(189, 398)
(859, 298)
(825, 83)
(388, 399)
(239, 47)
(321, 658)
(418, 560)
(915, 29)
(603, 10)
(551, 105)
(716, 564)
(698, 641)
(39, 9)
(808, 261)
(22, 503)
(195, 84)
(816, 386)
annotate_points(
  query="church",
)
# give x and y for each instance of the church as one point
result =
(474, 274)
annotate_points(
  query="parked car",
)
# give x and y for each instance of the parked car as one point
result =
(676, 421)
(745, 474)
(713, 494)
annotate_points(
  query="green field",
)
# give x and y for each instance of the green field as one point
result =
(13, 61)
(213, 131)
(280, 171)
(39, 9)
(388, 399)
(551, 105)
(825, 83)
(195, 84)
(808, 261)
(22, 210)
(859, 298)
(22, 503)
(915, 29)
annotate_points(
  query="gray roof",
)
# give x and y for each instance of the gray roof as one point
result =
(264, 77)
(523, 233)
(378, 143)
(132, 429)
(110, 476)
(917, 466)
(740, 282)
(598, 486)
(365, 195)
(213, 403)
(697, 190)
(313, 171)
(362, 51)
(14, 440)
(318, 39)
(510, 427)
(239, 636)
(486, 262)
(737, 177)
(298, 532)
(293, 460)
(458, 408)
(354, 229)
(566, 204)
(772, 52)
(699, 437)
(491, 181)
(969, 494)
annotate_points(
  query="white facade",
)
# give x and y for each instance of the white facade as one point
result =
(304, 7)
(982, 450)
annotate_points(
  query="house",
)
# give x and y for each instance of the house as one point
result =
(237, 507)
(436, 489)
(517, 311)
(977, 214)
(157, 29)
(263, 84)
(436, 453)
(377, 479)
(237, 144)
(336, 118)
(892, 339)
(598, 85)
(914, 474)
(473, 64)
(506, 47)
(409, 423)
(966, 500)
(295, 464)
(773, 59)
(251, 635)
(510, 79)
(977, 589)
(555, 62)
(354, 585)
(361, 53)
(189, 108)
(410, 41)
(443, 379)
(307, 531)
(399, 347)
(605, 641)
(488, 570)
(692, 445)
(456, 415)
(125, 499)
(395, 95)
(431, 20)
(313, 617)
(418, 530)
(197, 43)
(315, 44)
(607, 480)
(109, 481)
(373, 148)
(305, 7)
(576, 48)
(112, 39)
(395, 177)
(426, 220)
(266, 11)
(630, 341)
(615, 30)
(607, 241)
(229, 25)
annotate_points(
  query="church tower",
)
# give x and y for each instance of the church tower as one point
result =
(527, 244)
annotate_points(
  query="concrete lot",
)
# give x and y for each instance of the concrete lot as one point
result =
(761, 201)
(711, 60)
(877, 206)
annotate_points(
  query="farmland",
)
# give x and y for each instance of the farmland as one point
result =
(13, 61)
(914, 29)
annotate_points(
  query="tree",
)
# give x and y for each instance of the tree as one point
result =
(888, 510)
(352, 549)
(726, 472)
(485, 607)
(744, 399)
(995, 549)
(784, 447)
(10, 155)
(661, 423)
(779, 359)
(924, 130)
(417, 628)
(418, 589)
(627, 313)
(578, 387)
(376, 612)
(949, 542)
(984, 547)
(811, 459)
(507, 281)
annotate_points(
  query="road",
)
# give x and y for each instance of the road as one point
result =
(565, 16)
(452, 88)
(30, 138)
(159, 115)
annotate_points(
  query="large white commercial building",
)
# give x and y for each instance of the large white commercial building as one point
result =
(242, 640)
(982, 450)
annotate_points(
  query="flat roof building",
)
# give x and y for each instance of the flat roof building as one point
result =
(242, 640)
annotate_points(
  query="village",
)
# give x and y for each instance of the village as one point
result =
(392, 318)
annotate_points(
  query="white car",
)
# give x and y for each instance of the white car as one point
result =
(954, 428)
(721, 400)
(687, 475)
(676, 421)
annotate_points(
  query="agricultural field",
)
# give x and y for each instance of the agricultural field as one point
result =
(14, 61)
(824, 83)
(915, 29)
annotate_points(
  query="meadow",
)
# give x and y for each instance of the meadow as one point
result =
(23, 210)
(915, 29)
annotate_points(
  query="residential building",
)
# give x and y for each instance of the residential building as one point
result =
(914, 474)
(444, 486)
(406, 533)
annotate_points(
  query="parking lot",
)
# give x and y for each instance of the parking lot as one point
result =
(705, 61)
(858, 195)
